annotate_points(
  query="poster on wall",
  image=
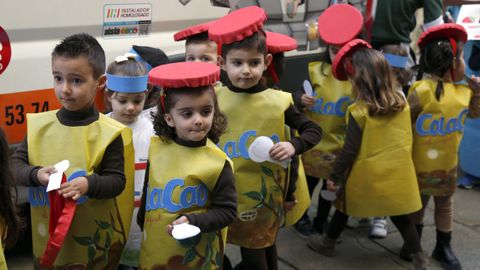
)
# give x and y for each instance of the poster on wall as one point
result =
(127, 20)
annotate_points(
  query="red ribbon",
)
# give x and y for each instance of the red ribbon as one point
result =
(453, 43)
(62, 212)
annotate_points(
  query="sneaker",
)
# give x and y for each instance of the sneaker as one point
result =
(356, 222)
(465, 182)
(303, 227)
(379, 228)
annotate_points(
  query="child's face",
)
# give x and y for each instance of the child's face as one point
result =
(192, 116)
(74, 83)
(127, 106)
(202, 52)
(245, 66)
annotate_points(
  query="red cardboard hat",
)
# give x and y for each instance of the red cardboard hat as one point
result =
(184, 74)
(448, 30)
(62, 212)
(191, 31)
(277, 43)
(339, 24)
(237, 25)
(338, 67)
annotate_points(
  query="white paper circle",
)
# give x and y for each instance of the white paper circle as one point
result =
(328, 195)
(62, 165)
(258, 150)
(184, 231)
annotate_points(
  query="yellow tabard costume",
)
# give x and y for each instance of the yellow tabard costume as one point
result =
(180, 182)
(438, 131)
(3, 263)
(332, 99)
(260, 186)
(382, 180)
(100, 227)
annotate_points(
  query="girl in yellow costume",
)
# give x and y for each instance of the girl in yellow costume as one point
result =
(189, 179)
(337, 25)
(375, 173)
(10, 223)
(254, 110)
(100, 176)
(438, 108)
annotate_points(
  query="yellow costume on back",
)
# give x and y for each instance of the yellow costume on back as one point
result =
(382, 180)
(438, 131)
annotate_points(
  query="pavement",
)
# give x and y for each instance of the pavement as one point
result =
(357, 251)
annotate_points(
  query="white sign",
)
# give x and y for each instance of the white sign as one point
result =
(128, 20)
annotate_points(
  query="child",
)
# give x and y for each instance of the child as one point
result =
(198, 48)
(100, 175)
(438, 108)
(10, 223)
(253, 111)
(338, 25)
(189, 179)
(126, 91)
(375, 174)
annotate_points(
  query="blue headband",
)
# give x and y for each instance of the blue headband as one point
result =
(127, 84)
(140, 59)
(396, 60)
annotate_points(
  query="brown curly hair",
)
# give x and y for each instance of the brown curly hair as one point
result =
(162, 129)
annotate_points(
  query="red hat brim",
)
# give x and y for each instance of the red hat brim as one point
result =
(191, 31)
(347, 50)
(278, 43)
(237, 25)
(184, 74)
(447, 30)
(339, 24)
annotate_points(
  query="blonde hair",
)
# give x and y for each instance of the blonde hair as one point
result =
(373, 83)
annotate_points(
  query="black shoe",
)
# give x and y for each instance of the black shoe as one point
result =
(404, 253)
(443, 252)
(304, 227)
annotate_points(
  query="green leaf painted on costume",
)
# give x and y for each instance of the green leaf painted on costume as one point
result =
(83, 240)
(254, 195)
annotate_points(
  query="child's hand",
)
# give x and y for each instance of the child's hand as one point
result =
(180, 220)
(288, 206)
(282, 151)
(74, 189)
(331, 186)
(43, 175)
(307, 100)
(474, 84)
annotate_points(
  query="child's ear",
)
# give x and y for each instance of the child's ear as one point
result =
(221, 62)
(168, 118)
(268, 61)
(102, 81)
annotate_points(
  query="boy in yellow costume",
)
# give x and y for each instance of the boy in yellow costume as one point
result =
(254, 110)
(375, 173)
(189, 179)
(337, 25)
(99, 179)
(438, 108)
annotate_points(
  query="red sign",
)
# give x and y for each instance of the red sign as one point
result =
(5, 50)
